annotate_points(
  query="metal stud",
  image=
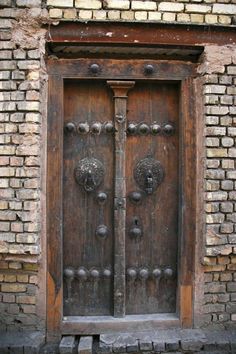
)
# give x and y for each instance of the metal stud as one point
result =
(109, 127)
(101, 197)
(102, 231)
(96, 128)
(135, 232)
(83, 128)
(107, 273)
(143, 273)
(131, 129)
(82, 273)
(148, 69)
(155, 129)
(168, 129)
(135, 197)
(95, 274)
(69, 273)
(168, 273)
(132, 273)
(156, 273)
(70, 127)
(94, 68)
(143, 129)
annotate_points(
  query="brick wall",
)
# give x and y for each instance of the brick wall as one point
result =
(23, 80)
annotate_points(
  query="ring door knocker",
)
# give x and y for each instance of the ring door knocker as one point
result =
(89, 173)
(148, 174)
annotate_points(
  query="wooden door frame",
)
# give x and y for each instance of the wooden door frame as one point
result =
(190, 166)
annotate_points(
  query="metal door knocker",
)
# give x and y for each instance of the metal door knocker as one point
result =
(148, 174)
(89, 173)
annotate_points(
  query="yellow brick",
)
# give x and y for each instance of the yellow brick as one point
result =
(140, 15)
(85, 14)
(197, 18)
(55, 13)
(211, 19)
(127, 15)
(22, 278)
(8, 278)
(13, 288)
(214, 268)
(169, 16)
(70, 13)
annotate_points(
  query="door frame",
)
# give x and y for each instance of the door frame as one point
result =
(190, 204)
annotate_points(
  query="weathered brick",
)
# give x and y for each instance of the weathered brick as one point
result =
(28, 3)
(224, 9)
(140, 15)
(143, 5)
(60, 3)
(92, 4)
(219, 131)
(13, 288)
(170, 6)
(55, 13)
(117, 4)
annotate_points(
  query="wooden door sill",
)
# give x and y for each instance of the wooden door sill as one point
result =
(107, 324)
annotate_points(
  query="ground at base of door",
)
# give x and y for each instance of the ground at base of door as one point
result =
(174, 341)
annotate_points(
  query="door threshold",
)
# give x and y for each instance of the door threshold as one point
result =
(108, 324)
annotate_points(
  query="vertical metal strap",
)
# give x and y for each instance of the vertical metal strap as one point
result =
(120, 90)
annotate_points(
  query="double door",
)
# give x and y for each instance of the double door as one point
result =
(120, 197)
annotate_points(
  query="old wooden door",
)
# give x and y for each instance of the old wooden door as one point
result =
(120, 197)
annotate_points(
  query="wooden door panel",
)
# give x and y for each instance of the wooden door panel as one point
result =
(88, 260)
(156, 214)
(91, 293)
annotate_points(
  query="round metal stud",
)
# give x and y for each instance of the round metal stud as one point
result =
(109, 127)
(156, 273)
(96, 128)
(135, 197)
(168, 129)
(148, 69)
(143, 129)
(69, 273)
(132, 128)
(70, 127)
(132, 273)
(143, 273)
(94, 68)
(155, 129)
(102, 231)
(82, 274)
(168, 273)
(101, 197)
(135, 232)
(83, 128)
(106, 273)
(95, 274)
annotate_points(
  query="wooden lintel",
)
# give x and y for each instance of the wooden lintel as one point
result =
(141, 34)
